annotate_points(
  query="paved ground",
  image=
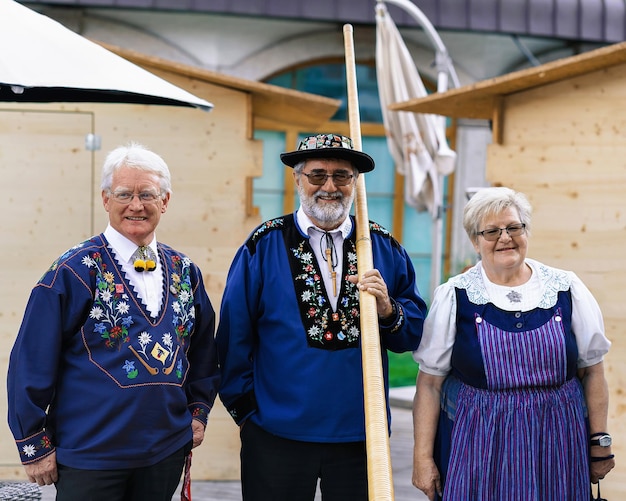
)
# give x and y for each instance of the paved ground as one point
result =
(401, 445)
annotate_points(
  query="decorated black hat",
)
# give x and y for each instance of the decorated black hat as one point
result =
(328, 146)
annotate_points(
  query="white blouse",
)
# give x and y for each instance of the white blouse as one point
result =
(435, 350)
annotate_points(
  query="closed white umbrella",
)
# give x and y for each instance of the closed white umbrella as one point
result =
(43, 61)
(417, 142)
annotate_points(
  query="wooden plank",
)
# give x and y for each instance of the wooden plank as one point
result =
(209, 155)
(476, 100)
(46, 207)
(576, 188)
(270, 102)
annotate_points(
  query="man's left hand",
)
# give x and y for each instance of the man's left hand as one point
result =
(198, 432)
(373, 282)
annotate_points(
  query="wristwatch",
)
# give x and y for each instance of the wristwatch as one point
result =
(601, 439)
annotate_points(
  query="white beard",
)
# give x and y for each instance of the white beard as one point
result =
(331, 214)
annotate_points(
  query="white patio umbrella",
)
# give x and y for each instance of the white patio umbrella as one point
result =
(43, 61)
(417, 142)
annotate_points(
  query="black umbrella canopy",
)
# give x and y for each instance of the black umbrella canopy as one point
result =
(43, 61)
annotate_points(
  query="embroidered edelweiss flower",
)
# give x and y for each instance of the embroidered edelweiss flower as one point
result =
(88, 262)
(315, 332)
(166, 339)
(122, 307)
(144, 338)
(106, 296)
(183, 297)
(176, 307)
(29, 450)
(96, 313)
(307, 257)
(186, 261)
(306, 296)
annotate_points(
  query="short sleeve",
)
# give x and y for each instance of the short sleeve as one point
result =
(435, 350)
(587, 325)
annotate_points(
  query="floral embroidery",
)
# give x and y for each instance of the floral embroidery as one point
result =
(65, 255)
(325, 328)
(37, 446)
(29, 450)
(109, 307)
(183, 306)
(379, 229)
(129, 367)
(267, 225)
(198, 412)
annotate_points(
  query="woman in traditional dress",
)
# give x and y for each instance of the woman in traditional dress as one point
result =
(511, 400)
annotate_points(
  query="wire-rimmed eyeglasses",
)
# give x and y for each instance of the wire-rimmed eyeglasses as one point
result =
(145, 197)
(320, 178)
(493, 234)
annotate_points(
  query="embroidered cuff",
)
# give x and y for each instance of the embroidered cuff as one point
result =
(35, 447)
(242, 407)
(200, 412)
(394, 322)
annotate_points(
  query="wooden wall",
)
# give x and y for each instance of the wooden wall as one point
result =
(52, 201)
(564, 145)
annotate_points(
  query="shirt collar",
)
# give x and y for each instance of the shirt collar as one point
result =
(124, 247)
(305, 224)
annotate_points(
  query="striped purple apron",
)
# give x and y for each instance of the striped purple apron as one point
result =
(524, 438)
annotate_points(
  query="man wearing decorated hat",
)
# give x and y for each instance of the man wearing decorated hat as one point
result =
(289, 333)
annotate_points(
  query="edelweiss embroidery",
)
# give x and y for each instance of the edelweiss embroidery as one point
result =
(110, 306)
(325, 328)
(184, 311)
(36, 445)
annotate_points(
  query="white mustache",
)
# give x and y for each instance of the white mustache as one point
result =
(336, 195)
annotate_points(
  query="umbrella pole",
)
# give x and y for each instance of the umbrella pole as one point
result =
(380, 484)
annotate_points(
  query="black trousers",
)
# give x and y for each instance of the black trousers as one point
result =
(278, 469)
(151, 483)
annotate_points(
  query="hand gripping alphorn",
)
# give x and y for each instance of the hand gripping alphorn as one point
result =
(380, 483)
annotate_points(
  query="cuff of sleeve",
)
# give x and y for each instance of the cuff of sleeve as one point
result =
(241, 408)
(394, 322)
(35, 447)
(200, 412)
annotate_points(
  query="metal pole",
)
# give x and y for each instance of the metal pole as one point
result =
(444, 69)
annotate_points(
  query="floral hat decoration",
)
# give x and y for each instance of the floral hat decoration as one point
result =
(328, 146)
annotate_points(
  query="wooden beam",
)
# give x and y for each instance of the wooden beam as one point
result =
(289, 185)
(476, 100)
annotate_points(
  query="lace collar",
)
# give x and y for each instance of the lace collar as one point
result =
(552, 282)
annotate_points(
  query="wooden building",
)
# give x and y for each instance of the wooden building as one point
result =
(559, 136)
(52, 196)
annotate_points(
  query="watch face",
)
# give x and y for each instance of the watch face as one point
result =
(604, 441)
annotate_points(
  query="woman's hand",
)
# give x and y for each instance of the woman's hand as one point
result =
(426, 477)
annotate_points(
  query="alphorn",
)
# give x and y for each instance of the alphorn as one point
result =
(379, 476)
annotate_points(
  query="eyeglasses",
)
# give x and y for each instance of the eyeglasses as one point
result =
(320, 178)
(125, 197)
(514, 230)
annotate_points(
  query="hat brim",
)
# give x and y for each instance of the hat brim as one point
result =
(362, 161)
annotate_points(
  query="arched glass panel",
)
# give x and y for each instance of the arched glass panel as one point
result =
(330, 80)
